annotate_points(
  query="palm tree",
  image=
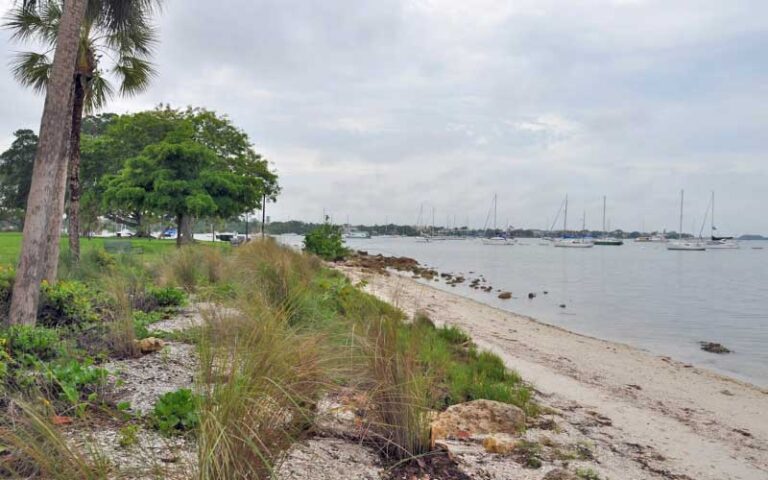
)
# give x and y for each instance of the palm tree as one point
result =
(45, 204)
(105, 49)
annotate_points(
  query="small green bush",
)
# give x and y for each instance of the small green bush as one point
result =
(166, 297)
(7, 276)
(26, 343)
(325, 241)
(68, 302)
(77, 380)
(587, 474)
(142, 321)
(129, 435)
(176, 412)
(103, 258)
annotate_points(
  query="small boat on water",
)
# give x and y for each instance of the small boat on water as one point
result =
(652, 239)
(568, 242)
(685, 245)
(356, 234)
(497, 239)
(719, 242)
(574, 243)
(605, 240)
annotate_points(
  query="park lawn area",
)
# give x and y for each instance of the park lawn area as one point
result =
(10, 245)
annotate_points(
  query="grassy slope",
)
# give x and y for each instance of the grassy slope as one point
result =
(299, 330)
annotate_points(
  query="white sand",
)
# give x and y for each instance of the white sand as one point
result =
(654, 417)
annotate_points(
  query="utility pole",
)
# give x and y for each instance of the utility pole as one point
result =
(263, 212)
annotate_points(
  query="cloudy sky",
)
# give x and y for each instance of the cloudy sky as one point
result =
(373, 108)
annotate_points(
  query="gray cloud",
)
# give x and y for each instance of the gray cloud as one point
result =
(370, 108)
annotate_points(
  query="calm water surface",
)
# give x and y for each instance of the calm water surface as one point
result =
(639, 293)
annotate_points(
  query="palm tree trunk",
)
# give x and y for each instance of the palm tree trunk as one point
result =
(74, 170)
(42, 203)
(54, 231)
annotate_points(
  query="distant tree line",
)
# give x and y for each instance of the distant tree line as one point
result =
(160, 167)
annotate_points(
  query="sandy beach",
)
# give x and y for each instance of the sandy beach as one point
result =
(649, 417)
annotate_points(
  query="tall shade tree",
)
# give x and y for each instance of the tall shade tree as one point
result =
(107, 50)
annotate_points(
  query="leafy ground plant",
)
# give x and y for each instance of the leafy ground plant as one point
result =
(176, 412)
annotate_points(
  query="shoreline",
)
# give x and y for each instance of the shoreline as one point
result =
(722, 374)
(662, 418)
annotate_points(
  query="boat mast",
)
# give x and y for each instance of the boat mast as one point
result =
(565, 216)
(603, 215)
(432, 233)
(494, 213)
(682, 198)
(712, 226)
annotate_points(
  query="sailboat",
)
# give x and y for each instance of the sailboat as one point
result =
(566, 242)
(498, 239)
(604, 239)
(716, 242)
(685, 245)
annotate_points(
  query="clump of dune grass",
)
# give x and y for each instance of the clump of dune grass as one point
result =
(194, 266)
(33, 447)
(401, 394)
(259, 383)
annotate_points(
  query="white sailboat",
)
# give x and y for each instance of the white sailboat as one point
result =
(605, 240)
(719, 242)
(566, 242)
(498, 239)
(685, 245)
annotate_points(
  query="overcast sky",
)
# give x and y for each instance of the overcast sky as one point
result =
(371, 108)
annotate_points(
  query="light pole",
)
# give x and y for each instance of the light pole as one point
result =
(263, 212)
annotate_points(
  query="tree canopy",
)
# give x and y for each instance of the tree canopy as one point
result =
(16, 176)
(153, 165)
(184, 164)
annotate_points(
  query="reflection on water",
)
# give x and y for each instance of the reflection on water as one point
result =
(640, 294)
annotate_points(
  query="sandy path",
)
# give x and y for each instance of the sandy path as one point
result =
(657, 418)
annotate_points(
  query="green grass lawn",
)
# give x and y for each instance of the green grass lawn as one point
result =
(10, 245)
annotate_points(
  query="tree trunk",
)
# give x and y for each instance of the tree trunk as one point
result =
(54, 231)
(42, 204)
(74, 169)
(183, 230)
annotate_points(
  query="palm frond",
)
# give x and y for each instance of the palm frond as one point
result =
(117, 15)
(134, 74)
(98, 92)
(139, 40)
(32, 69)
(34, 24)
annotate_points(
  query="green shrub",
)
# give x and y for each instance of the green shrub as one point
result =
(26, 343)
(128, 435)
(7, 276)
(103, 258)
(77, 380)
(587, 474)
(166, 297)
(176, 412)
(68, 302)
(325, 241)
(142, 321)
